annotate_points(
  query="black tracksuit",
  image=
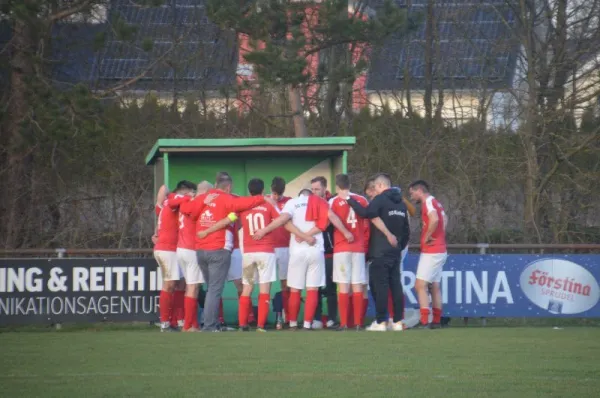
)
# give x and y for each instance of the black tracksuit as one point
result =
(330, 289)
(384, 271)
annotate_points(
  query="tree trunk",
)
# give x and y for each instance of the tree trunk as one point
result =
(15, 149)
(297, 112)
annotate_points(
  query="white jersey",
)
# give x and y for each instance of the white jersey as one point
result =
(297, 209)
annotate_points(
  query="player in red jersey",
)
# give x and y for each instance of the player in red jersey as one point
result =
(165, 249)
(433, 252)
(259, 263)
(214, 251)
(349, 257)
(282, 246)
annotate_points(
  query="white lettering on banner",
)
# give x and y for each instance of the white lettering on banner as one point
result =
(21, 280)
(99, 279)
(476, 287)
(119, 272)
(103, 305)
(80, 278)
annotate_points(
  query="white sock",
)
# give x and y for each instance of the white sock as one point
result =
(293, 324)
(307, 324)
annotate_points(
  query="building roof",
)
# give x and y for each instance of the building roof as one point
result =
(175, 43)
(476, 48)
(283, 146)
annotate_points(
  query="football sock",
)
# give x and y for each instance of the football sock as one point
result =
(351, 321)
(357, 301)
(437, 315)
(243, 311)
(294, 306)
(424, 316)
(177, 314)
(190, 307)
(264, 299)
(165, 302)
(285, 296)
(343, 302)
(310, 306)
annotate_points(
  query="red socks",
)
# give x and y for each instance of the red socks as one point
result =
(343, 302)
(264, 299)
(351, 320)
(294, 306)
(357, 303)
(310, 306)
(243, 310)
(424, 316)
(437, 315)
(165, 302)
(177, 313)
(285, 296)
(190, 306)
(390, 304)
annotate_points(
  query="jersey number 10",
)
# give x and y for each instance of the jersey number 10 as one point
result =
(256, 221)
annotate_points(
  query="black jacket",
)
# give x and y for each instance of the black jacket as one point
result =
(328, 234)
(391, 209)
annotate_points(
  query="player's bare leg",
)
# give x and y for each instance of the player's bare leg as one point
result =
(264, 299)
(436, 304)
(422, 289)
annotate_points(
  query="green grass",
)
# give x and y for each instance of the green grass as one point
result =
(452, 362)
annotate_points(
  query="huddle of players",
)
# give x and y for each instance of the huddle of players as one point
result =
(261, 227)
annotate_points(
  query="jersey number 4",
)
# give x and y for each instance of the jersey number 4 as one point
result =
(256, 221)
(351, 220)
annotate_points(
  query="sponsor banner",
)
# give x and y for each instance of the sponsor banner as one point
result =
(514, 285)
(78, 290)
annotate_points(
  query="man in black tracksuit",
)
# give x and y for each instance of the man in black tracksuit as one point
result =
(389, 236)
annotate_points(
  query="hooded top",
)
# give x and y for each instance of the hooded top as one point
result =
(390, 207)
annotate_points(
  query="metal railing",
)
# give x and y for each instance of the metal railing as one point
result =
(480, 248)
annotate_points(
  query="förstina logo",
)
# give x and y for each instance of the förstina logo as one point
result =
(560, 286)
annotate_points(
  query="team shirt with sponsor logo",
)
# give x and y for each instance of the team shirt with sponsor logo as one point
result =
(353, 223)
(253, 220)
(281, 235)
(207, 215)
(297, 209)
(438, 245)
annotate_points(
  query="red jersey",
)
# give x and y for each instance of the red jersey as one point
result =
(281, 235)
(168, 224)
(207, 215)
(356, 225)
(439, 235)
(253, 220)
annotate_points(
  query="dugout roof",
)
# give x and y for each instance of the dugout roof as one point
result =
(328, 146)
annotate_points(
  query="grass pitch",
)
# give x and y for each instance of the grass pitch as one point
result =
(524, 362)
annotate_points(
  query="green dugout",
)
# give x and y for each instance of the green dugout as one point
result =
(297, 160)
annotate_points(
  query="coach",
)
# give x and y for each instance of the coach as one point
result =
(385, 247)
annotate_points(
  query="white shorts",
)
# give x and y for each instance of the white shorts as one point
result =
(259, 268)
(349, 267)
(431, 266)
(282, 256)
(188, 263)
(235, 269)
(169, 267)
(306, 268)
